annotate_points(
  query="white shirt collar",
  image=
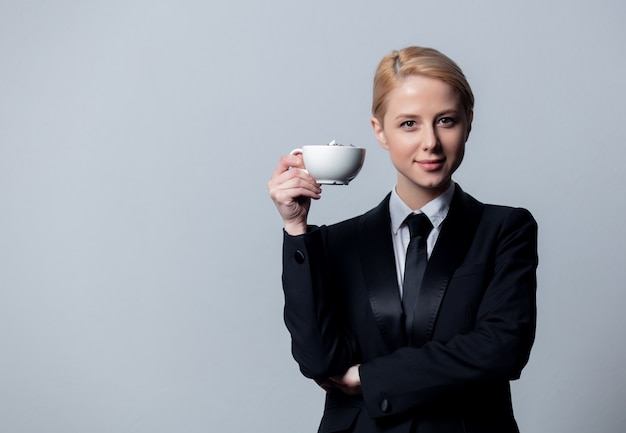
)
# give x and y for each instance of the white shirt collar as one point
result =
(436, 210)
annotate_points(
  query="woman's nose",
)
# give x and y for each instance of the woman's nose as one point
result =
(429, 138)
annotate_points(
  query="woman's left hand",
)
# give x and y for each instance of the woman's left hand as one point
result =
(349, 383)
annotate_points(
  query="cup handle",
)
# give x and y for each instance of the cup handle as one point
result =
(298, 152)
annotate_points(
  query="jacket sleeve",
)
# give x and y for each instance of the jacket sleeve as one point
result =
(495, 350)
(321, 344)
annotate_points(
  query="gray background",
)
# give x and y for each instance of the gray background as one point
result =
(140, 253)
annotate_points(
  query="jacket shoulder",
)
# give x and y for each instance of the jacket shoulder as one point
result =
(495, 212)
(378, 214)
(513, 215)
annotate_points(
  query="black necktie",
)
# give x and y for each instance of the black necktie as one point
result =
(416, 259)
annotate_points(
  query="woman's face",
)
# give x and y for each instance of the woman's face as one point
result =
(424, 129)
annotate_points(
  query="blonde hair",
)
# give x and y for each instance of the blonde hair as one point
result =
(410, 61)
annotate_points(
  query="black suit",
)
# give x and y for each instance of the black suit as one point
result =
(474, 326)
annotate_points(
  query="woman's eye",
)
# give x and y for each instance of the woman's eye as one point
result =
(408, 124)
(447, 121)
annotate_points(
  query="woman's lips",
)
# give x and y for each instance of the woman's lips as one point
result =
(431, 164)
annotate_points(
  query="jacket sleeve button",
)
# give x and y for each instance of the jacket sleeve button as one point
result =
(385, 406)
(299, 256)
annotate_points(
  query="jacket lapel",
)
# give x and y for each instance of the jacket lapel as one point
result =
(452, 244)
(379, 270)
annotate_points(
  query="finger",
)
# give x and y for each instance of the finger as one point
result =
(338, 380)
(290, 173)
(286, 162)
(325, 384)
(293, 183)
(289, 196)
(293, 179)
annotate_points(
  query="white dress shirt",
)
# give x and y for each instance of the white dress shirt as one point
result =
(436, 210)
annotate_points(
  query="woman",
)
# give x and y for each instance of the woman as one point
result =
(410, 333)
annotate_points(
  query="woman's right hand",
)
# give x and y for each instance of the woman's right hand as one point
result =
(292, 189)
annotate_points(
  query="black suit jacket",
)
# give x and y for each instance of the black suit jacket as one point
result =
(475, 319)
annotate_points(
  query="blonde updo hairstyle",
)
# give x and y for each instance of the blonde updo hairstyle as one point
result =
(427, 62)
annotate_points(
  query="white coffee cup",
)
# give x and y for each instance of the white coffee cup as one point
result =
(332, 164)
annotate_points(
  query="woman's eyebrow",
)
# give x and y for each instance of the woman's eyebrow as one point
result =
(450, 110)
(407, 115)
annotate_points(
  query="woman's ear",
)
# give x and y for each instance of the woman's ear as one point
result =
(470, 117)
(379, 132)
